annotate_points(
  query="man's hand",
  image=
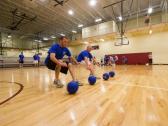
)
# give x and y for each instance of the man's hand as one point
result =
(63, 64)
(89, 66)
(55, 60)
(77, 63)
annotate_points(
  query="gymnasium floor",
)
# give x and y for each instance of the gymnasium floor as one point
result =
(137, 96)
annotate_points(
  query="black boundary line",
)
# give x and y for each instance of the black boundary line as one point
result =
(18, 92)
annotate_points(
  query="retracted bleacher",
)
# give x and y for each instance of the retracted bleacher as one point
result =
(9, 62)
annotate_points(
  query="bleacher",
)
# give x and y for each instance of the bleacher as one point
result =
(9, 62)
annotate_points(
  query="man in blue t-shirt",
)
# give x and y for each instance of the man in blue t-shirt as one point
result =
(54, 60)
(38, 59)
(35, 57)
(86, 58)
(21, 59)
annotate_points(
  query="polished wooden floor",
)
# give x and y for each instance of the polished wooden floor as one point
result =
(137, 96)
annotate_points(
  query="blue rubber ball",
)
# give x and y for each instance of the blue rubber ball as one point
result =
(92, 80)
(72, 87)
(106, 76)
(112, 73)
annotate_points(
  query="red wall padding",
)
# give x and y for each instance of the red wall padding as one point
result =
(133, 58)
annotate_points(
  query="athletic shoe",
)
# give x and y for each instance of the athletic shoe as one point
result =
(58, 83)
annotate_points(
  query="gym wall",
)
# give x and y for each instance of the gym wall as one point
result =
(157, 43)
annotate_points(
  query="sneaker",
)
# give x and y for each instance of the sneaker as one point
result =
(58, 83)
(79, 83)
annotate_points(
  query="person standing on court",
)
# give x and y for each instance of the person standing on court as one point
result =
(85, 58)
(124, 60)
(21, 59)
(95, 61)
(35, 60)
(150, 58)
(111, 61)
(115, 60)
(38, 59)
(54, 60)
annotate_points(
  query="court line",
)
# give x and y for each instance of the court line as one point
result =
(148, 87)
(18, 92)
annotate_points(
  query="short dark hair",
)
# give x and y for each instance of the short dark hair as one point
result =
(62, 37)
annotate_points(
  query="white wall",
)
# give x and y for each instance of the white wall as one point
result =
(99, 29)
(156, 43)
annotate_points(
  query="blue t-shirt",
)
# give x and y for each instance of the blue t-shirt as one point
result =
(35, 57)
(59, 51)
(84, 54)
(21, 57)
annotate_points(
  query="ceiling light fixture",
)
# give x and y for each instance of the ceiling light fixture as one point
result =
(150, 31)
(86, 42)
(43, 0)
(102, 40)
(45, 39)
(74, 31)
(120, 18)
(92, 2)
(150, 10)
(70, 12)
(53, 37)
(98, 20)
(80, 25)
(62, 34)
(9, 36)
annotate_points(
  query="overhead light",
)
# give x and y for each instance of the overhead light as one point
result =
(150, 31)
(62, 34)
(70, 12)
(92, 2)
(45, 39)
(39, 41)
(9, 36)
(102, 40)
(150, 10)
(18, 13)
(74, 31)
(42, 0)
(86, 42)
(53, 37)
(80, 25)
(120, 18)
(36, 40)
(98, 20)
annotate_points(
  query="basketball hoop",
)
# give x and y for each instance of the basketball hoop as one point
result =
(121, 21)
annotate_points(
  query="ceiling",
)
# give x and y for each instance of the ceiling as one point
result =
(53, 20)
